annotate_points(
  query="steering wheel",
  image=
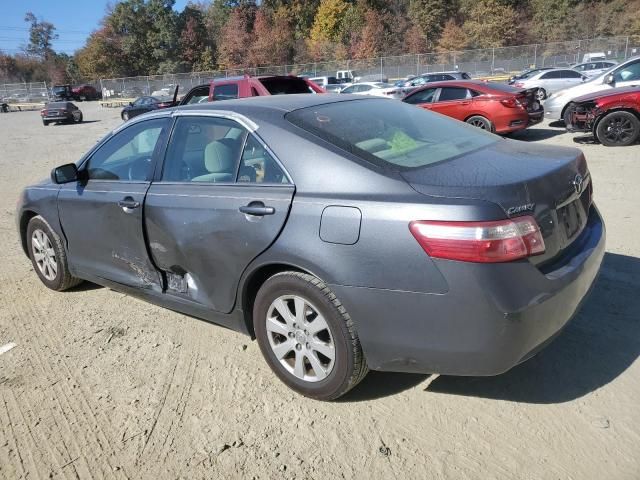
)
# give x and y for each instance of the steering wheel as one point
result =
(139, 170)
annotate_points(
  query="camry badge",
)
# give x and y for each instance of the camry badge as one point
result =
(528, 207)
(578, 184)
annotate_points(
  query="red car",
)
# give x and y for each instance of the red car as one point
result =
(85, 92)
(247, 86)
(495, 107)
(612, 115)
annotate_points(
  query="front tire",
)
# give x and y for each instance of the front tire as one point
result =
(480, 122)
(307, 337)
(618, 129)
(77, 117)
(48, 256)
(125, 116)
(541, 94)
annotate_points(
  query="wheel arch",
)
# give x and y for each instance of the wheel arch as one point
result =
(620, 108)
(252, 283)
(25, 218)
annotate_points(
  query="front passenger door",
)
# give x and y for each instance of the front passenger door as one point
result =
(101, 215)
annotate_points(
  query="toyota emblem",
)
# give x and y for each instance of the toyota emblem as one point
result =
(578, 184)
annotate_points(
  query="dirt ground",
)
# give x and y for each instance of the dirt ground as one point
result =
(101, 385)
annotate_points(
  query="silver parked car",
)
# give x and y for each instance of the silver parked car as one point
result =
(627, 74)
(376, 89)
(550, 81)
(593, 69)
(345, 233)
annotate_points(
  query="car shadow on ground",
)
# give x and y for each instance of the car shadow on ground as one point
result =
(557, 124)
(595, 348)
(85, 286)
(382, 384)
(536, 134)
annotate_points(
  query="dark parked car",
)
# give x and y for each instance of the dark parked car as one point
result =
(344, 233)
(144, 105)
(613, 116)
(60, 112)
(494, 107)
(62, 92)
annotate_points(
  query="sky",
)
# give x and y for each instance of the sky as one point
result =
(74, 21)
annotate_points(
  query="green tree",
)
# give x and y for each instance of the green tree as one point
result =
(326, 31)
(41, 36)
(430, 16)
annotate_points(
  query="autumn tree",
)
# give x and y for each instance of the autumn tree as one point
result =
(430, 16)
(193, 35)
(491, 24)
(236, 37)
(370, 41)
(326, 30)
(453, 38)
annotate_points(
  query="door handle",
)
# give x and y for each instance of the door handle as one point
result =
(258, 209)
(128, 203)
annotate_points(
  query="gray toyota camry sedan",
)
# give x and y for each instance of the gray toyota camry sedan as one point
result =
(344, 234)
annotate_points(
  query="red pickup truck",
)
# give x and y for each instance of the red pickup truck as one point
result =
(247, 86)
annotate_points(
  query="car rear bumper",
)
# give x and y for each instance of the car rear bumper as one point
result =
(514, 122)
(492, 318)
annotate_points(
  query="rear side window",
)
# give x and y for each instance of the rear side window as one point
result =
(390, 134)
(285, 85)
(570, 74)
(257, 165)
(550, 75)
(450, 93)
(225, 92)
(466, 76)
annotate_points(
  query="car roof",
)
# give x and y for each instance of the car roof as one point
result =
(484, 87)
(282, 103)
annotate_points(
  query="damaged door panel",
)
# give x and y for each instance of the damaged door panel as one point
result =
(203, 241)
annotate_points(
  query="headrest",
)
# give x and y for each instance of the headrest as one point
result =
(218, 158)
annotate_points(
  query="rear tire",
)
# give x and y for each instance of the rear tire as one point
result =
(77, 118)
(618, 129)
(48, 256)
(480, 122)
(300, 325)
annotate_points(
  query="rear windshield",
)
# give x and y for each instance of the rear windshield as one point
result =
(502, 87)
(285, 85)
(390, 134)
(58, 105)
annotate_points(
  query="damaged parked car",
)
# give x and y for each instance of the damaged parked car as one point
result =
(344, 233)
(613, 116)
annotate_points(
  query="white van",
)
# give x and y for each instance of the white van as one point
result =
(594, 57)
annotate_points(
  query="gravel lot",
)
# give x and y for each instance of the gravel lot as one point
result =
(101, 385)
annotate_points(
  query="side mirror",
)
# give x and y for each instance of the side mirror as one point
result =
(610, 79)
(65, 173)
(131, 104)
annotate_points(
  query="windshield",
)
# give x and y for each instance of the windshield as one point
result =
(390, 133)
(59, 89)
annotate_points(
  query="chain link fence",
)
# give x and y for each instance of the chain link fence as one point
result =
(35, 92)
(493, 62)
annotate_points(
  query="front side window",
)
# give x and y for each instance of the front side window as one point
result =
(423, 96)
(348, 90)
(628, 73)
(258, 166)
(225, 92)
(128, 154)
(390, 134)
(204, 149)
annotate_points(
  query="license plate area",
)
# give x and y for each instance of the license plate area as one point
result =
(573, 217)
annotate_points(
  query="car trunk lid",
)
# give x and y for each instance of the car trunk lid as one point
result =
(551, 183)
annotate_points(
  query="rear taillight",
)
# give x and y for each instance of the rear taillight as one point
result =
(511, 102)
(484, 242)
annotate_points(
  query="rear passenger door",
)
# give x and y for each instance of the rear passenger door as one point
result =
(220, 199)
(453, 102)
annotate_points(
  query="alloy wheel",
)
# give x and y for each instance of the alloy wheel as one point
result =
(479, 123)
(618, 129)
(300, 338)
(44, 254)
